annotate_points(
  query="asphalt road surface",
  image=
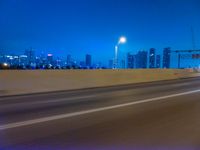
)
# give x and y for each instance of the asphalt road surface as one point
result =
(158, 115)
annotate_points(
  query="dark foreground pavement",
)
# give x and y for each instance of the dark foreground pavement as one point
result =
(159, 115)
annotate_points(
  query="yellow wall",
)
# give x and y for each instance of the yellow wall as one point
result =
(26, 81)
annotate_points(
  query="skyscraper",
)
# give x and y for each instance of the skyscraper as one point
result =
(43, 59)
(50, 59)
(141, 59)
(130, 61)
(69, 60)
(88, 60)
(82, 64)
(1, 58)
(122, 64)
(152, 58)
(110, 64)
(158, 61)
(30, 56)
(166, 57)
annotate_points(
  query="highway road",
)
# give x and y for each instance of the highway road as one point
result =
(158, 115)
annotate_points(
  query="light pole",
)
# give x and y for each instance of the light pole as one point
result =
(122, 40)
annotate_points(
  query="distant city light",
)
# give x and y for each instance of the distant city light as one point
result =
(5, 64)
(8, 56)
(151, 54)
(16, 57)
(49, 55)
(23, 56)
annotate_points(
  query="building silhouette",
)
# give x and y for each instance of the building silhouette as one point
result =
(141, 59)
(88, 60)
(30, 56)
(158, 61)
(130, 61)
(69, 60)
(82, 64)
(110, 64)
(123, 64)
(152, 57)
(166, 57)
(2, 59)
(50, 59)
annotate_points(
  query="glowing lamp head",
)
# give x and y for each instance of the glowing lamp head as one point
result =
(122, 40)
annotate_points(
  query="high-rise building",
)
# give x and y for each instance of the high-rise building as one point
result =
(15, 60)
(110, 64)
(130, 61)
(23, 60)
(69, 60)
(58, 62)
(82, 64)
(122, 64)
(141, 59)
(50, 59)
(158, 61)
(30, 56)
(42, 60)
(38, 61)
(3, 58)
(152, 57)
(166, 57)
(88, 60)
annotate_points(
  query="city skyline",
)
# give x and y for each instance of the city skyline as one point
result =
(151, 58)
(141, 59)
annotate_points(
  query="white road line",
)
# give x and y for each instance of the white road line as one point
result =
(63, 116)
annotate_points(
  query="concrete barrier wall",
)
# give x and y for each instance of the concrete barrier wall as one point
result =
(20, 82)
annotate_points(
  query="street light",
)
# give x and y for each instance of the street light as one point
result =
(122, 40)
(5, 64)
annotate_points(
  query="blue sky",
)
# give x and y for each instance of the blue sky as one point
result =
(78, 27)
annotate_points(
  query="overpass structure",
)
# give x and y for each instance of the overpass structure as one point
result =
(180, 52)
(156, 115)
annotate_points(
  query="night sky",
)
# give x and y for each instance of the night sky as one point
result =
(78, 27)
